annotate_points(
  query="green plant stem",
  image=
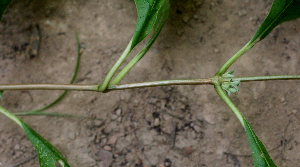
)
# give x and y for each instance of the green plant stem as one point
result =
(207, 81)
(228, 102)
(71, 82)
(229, 62)
(49, 87)
(127, 68)
(261, 78)
(10, 116)
(114, 69)
(111, 87)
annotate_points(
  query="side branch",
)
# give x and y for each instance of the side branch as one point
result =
(261, 78)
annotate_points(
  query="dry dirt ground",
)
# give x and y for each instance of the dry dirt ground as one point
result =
(135, 126)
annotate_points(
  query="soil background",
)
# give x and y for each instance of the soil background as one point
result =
(133, 127)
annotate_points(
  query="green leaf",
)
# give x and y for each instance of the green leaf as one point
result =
(281, 11)
(147, 11)
(48, 155)
(3, 6)
(162, 16)
(1, 92)
(152, 14)
(259, 153)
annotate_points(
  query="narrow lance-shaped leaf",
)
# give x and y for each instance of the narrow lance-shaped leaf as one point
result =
(162, 16)
(48, 155)
(260, 155)
(3, 6)
(147, 16)
(281, 11)
(147, 11)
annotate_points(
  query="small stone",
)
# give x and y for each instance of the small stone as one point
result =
(216, 50)
(282, 99)
(103, 141)
(188, 150)
(108, 148)
(183, 107)
(173, 108)
(114, 117)
(17, 147)
(294, 111)
(105, 156)
(242, 12)
(156, 122)
(113, 139)
(197, 128)
(118, 111)
(98, 123)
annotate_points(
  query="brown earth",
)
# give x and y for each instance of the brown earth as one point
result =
(136, 125)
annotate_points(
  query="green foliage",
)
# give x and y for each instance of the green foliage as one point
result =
(260, 155)
(281, 11)
(162, 16)
(231, 86)
(1, 92)
(151, 14)
(47, 153)
(148, 12)
(3, 6)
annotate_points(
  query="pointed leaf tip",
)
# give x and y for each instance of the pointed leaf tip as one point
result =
(260, 155)
(281, 11)
(147, 11)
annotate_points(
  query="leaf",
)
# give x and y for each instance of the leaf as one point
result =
(48, 155)
(3, 6)
(147, 11)
(281, 11)
(259, 153)
(1, 92)
(162, 16)
(152, 14)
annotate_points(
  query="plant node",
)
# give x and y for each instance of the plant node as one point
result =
(230, 86)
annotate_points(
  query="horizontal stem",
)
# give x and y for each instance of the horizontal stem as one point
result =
(48, 87)
(206, 81)
(161, 83)
(95, 87)
(262, 78)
